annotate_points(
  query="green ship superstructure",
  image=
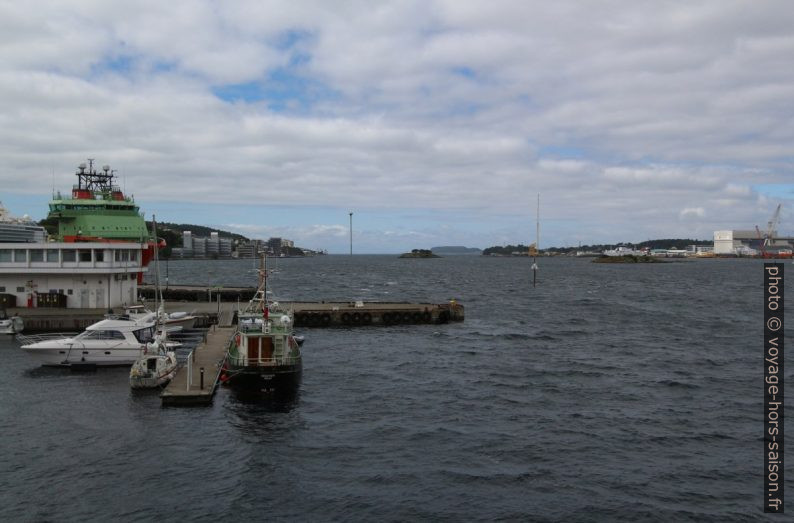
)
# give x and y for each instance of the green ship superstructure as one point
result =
(97, 210)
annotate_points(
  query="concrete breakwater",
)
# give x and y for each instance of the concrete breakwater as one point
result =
(213, 306)
(321, 314)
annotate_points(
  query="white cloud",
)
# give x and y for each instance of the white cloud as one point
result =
(689, 213)
(673, 113)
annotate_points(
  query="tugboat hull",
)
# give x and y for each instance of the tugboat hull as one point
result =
(284, 378)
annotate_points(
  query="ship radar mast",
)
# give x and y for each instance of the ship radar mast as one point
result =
(89, 179)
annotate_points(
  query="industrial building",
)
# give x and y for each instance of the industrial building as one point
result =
(749, 243)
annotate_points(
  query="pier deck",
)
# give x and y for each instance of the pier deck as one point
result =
(185, 388)
(223, 312)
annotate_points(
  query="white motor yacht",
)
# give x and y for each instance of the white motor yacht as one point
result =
(105, 343)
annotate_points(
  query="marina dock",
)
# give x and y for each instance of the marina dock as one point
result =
(218, 306)
(192, 387)
(320, 314)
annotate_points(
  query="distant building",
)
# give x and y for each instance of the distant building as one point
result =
(276, 246)
(212, 247)
(15, 230)
(250, 249)
(748, 242)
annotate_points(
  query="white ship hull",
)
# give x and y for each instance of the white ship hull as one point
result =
(61, 354)
(105, 343)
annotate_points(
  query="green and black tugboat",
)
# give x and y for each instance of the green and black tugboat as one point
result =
(264, 354)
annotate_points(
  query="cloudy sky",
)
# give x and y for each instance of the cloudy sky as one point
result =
(434, 122)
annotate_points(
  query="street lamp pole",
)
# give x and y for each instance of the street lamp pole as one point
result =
(351, 234)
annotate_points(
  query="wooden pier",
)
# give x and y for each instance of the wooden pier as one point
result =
(186, 387)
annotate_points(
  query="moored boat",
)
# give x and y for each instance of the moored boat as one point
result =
(264, 353)
(105, 343)
(156, 366)
(10, 325)
(172, 321)
(98, 211)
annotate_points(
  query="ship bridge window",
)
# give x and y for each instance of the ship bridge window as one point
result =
(37, 255)
(69, 255)
(52, 255)
(85, 255)
(5, 255)
(99, 256)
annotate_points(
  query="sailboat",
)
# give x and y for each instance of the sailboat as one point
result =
(157, 364)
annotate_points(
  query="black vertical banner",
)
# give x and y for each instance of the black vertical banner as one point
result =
(773, 388)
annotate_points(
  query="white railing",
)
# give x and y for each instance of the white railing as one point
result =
(265, 362)
(29, 339)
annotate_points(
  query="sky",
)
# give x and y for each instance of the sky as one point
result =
(435, 122)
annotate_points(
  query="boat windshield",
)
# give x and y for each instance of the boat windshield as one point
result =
(144, 335)
(101, 335)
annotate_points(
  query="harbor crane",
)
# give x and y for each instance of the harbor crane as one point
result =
(766, 240)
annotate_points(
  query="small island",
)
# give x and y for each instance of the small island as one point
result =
(629, 258)
(456, 250)
(420, 253)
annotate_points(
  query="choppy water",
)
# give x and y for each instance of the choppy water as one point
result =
(606, 393)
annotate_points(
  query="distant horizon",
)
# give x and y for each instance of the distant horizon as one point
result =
(15, 206)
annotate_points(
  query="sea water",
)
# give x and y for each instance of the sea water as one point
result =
(607, 392)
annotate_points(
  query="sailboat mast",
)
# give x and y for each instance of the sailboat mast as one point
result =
(537, 226)
(159, 292)
(537, 245)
